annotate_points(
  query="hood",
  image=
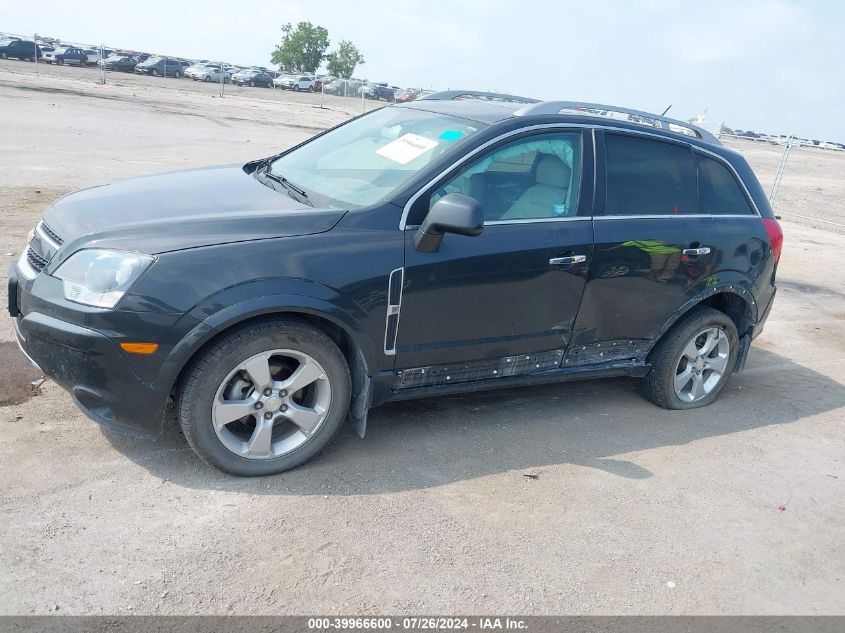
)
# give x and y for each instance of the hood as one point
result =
(184, 209)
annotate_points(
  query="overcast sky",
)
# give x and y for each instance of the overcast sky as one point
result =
(767, 65)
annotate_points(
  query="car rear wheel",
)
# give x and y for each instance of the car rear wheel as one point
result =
(265, 398)
(692, 363)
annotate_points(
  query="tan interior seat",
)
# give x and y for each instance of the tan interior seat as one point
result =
(539, 200)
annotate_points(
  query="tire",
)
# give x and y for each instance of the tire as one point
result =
(207, 79)
(218, 369)
(61, 62)
(154, 72)
(670, 361)
(252, 84)
(177, 74)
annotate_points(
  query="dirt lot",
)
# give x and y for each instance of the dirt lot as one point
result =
(736, 508)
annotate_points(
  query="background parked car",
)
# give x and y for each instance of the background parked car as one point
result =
(344, 87)
(378, 91)
(284, 80)
(49, 53)
(302, 82)
(252, 78)
(21, 49)
(404, 95)
(71, 55)
(121, 63)
(161, 67)
(92, 55)
(207, 73)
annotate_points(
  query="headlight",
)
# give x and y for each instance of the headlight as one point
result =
(100, 278)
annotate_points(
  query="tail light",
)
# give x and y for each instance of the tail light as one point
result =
(775, 236)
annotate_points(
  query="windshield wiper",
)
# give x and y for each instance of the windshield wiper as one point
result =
(287, 184)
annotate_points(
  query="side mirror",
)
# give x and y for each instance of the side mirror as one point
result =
(453, 213)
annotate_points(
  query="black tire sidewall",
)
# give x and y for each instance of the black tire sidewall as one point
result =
(667, 355)
(209, 371)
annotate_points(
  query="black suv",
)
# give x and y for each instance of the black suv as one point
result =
(73, 56)
(20, 49)
(441, 246)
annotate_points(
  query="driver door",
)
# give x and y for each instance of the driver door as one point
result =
(514, 289)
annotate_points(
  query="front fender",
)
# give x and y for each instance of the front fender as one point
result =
(226, 317)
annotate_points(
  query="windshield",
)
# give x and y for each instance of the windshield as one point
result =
(369, 158)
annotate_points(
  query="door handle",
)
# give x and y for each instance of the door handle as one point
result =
(568, 261)
(702, 250)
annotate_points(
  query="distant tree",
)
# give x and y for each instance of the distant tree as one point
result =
(342, 62)
(302, 49)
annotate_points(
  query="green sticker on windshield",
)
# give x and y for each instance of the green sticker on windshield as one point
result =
(451, 135)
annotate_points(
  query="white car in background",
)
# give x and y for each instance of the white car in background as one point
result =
(50, 56)
(207, 73)
(296, 83)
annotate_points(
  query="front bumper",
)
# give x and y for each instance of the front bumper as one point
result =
(90, 367)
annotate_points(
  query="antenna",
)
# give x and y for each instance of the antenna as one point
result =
(666, 110)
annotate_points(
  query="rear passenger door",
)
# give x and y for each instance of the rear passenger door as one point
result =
(653, 249)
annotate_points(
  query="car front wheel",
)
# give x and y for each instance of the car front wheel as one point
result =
(265, 398)
(692, 363)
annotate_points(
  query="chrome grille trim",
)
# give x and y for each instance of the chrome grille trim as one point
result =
(49, 234)
(35, 260)
(24, 267)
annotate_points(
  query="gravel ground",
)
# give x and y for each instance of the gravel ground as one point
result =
(738, 508)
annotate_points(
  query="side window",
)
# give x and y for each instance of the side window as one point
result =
(647, 177)
(537, 177)
(719, 192)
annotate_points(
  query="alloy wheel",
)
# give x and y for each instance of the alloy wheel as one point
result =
(702, 365)
(271, 404)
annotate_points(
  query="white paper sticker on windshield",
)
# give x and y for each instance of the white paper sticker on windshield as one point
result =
(406, 148)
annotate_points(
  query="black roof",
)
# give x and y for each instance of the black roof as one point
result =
(492, 108)
(476, 110)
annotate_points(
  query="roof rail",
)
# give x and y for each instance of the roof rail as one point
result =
(607, 111)
(448, 95)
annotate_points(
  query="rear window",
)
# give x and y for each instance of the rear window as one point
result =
(719, 191)
(647, 177)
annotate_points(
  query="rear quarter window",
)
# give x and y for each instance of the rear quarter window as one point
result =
(649, 177)
(719, 191)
